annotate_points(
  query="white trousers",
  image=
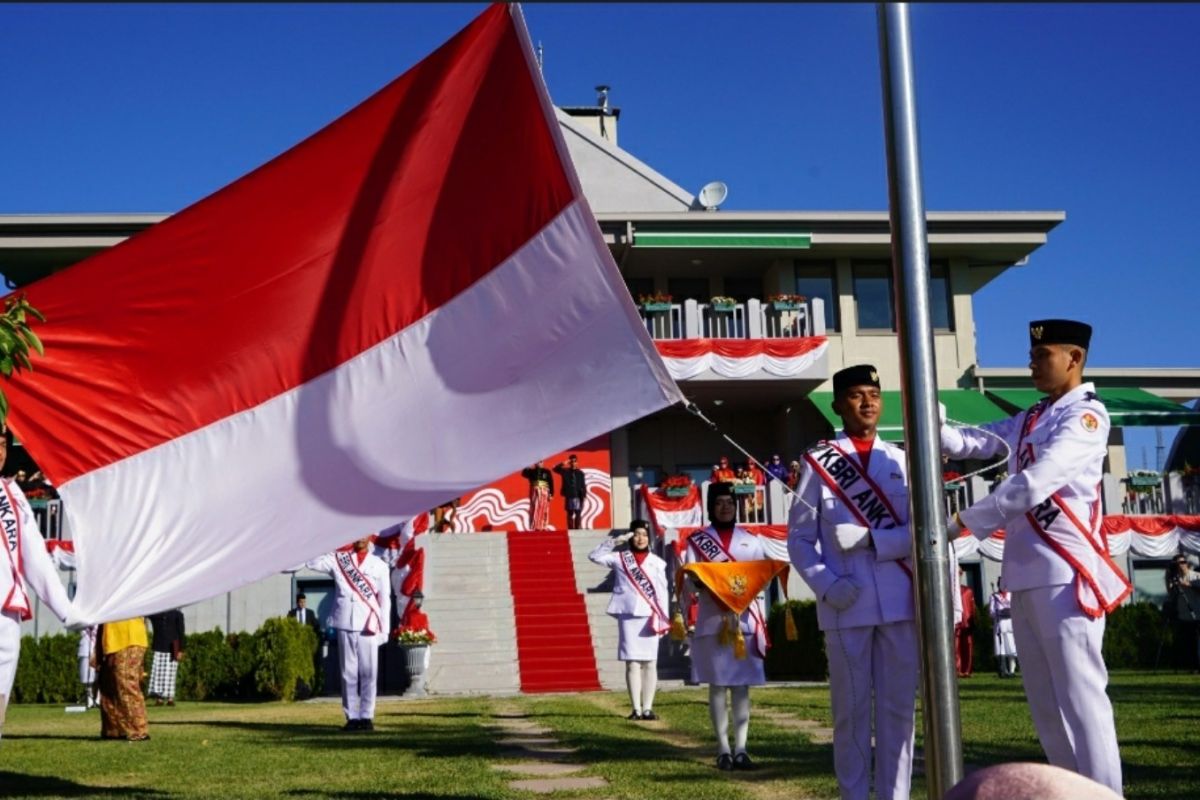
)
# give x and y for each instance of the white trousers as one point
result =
(882, 661)
(1065, 678)
(360, 669)
(10, 651)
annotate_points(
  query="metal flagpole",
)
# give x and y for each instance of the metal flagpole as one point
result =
(910, 259)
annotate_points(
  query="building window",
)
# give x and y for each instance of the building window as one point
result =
(819, 279)
(940, 313)
(873, 297)
(682, 289)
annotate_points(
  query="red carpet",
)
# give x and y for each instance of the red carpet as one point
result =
(554, 641)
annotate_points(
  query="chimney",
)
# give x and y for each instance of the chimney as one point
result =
(600, 119)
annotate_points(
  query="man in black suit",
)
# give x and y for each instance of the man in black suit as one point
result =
(574, 490)
(304, 615)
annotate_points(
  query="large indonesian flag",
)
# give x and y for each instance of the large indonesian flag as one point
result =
(411, 303)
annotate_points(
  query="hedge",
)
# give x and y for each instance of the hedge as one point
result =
(265, 665)
(800, 660)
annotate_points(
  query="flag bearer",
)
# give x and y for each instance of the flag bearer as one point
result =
(1056, 562)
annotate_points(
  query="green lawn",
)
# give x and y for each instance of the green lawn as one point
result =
(444, 748)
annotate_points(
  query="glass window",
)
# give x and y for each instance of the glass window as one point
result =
(815, 279)
(742, 289)
(682, 289)
(873, 296)
(939, 297)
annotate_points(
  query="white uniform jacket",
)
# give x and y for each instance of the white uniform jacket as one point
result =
(25, 566)
(1054, 475)
(351, 612)
(627, 599)
(880, 571)
(743, 546)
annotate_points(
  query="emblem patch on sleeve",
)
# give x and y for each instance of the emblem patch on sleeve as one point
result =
(1089, 422)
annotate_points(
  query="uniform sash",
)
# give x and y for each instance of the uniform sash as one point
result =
(850, 483)
(362, 586)
(17, 600)
(1100, 586)
(645, 587)
(709, 547)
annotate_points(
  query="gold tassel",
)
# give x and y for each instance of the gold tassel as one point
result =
(724, 636)
(789, 625)
(678, 631)
(739, 645)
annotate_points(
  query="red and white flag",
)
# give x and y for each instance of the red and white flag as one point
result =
(414, 301)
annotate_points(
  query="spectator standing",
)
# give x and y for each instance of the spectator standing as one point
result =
(777, 469)
(85, 654)
(122, 649)
(305, 615)
(574, 490)
(722, 472)
(167, 644)
(1183, 605)
(793, 476)
(964, 630)
(541, 489)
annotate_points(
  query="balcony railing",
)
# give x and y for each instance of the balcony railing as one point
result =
(753, 319)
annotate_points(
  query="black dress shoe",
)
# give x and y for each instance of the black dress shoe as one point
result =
(351, 725)
(649, 715)
(366, 725)
(742, 761)
(725, 762)
(634, 715)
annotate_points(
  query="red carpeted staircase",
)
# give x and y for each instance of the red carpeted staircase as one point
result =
(554, 641)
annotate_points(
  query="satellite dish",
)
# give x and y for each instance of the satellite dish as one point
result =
(712, 195)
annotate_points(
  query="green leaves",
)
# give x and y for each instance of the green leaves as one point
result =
(16, 340)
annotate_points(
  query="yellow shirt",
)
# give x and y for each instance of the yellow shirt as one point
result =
(126, 633)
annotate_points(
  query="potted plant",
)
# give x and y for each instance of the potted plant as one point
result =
(676, 486)
(722, 305)
(786, 302)
(655, 302)
(414, 645)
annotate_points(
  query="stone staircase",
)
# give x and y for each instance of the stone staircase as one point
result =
(470, 607)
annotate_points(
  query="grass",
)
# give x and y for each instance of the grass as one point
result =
(444, 748)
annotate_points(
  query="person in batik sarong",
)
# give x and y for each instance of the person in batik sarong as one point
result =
(541, 489)
(121, 650)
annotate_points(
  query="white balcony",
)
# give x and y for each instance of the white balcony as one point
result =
(753, 319)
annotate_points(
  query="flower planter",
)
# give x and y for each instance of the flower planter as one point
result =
(785, 305)
(677, 491)
(414, 667)
(744, 488)
(723, 308)
(656, 308)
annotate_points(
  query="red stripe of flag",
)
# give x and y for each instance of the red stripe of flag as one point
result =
(327, 250)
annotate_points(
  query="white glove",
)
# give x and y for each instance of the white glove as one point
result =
(942, 413)
(953, 527)
(850, 536)
(842, 594)
(624, 537)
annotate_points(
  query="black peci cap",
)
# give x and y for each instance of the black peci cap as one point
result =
(861, 375)
(1059, 331)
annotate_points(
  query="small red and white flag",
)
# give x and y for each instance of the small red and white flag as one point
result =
(411, 303)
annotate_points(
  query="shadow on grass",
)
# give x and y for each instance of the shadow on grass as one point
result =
(376, 795)
(16, 784)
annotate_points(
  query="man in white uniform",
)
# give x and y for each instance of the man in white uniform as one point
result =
(848, 537)
(25, 565)
(1056, 562)
(1000, 610)
(715, 663)
(361, 615)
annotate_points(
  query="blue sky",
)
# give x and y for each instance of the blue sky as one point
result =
(1090, 109)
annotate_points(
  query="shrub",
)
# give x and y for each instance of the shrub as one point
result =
(47, 671)
(208, 669)
(803, 659)
(1136, 635)
(282, 653)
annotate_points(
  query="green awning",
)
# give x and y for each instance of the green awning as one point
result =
(962, 405)
(740, 239)
(1127, 408)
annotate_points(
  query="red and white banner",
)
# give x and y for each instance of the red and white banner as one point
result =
(741, 358)
(673, 512)
(340, 339)
(1149, 537)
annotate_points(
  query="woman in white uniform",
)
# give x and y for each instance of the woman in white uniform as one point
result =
(639, 602)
